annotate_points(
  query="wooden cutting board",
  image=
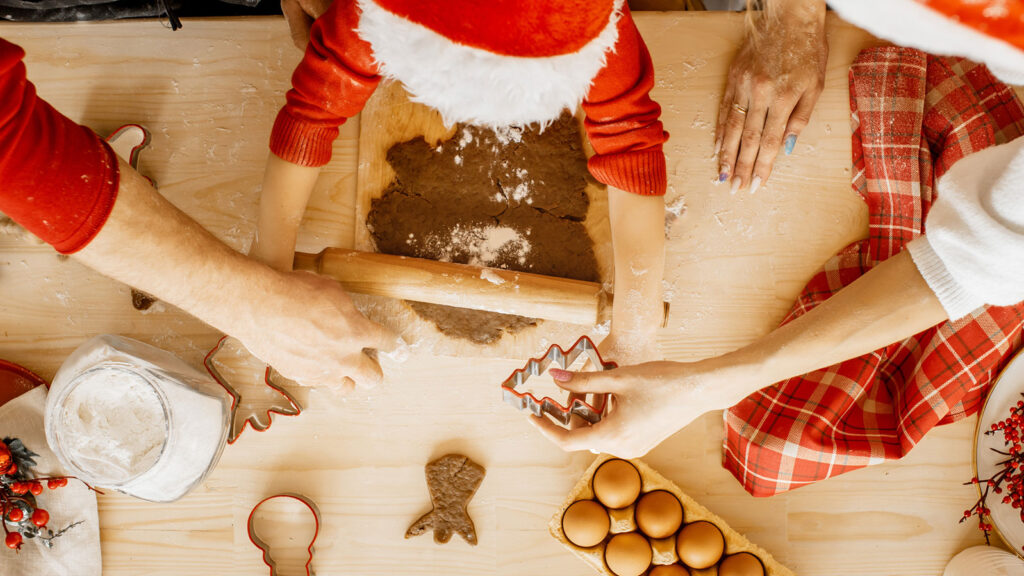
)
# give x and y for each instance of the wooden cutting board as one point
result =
(390, 118)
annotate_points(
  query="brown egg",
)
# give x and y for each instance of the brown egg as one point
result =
(659, 514)
(669, 570)
(585, 523)
(628, 554)
(616, 483)
(700, 545)
(742, 564)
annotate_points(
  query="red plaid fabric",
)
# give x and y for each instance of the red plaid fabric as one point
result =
(913, 116)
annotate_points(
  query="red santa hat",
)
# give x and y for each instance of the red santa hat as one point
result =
(492, 62)
(986, 31)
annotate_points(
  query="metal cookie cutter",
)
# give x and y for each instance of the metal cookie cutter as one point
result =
(128, 141)
(524, 400)
(256, 391)
(268, 557)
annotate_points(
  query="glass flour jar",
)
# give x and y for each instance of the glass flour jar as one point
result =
(124, 415)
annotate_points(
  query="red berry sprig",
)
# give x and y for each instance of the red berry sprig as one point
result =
(1008, 481)
(17, 496)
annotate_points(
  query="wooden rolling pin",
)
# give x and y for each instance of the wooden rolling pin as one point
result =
(460, 285)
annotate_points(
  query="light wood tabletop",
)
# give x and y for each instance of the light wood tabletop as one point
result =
(209, 93)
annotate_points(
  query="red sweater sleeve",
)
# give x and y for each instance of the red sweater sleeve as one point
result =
(332, 84)
(623, 122)
(57, 179)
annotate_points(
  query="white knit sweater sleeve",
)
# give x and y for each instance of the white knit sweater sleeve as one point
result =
(972, 252)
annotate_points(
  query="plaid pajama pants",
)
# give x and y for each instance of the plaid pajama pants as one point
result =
(913, 116)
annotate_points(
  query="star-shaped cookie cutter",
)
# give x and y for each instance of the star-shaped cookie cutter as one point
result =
(278, 401)
(590, 411)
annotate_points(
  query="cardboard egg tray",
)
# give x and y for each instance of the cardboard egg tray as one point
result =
(665, 548)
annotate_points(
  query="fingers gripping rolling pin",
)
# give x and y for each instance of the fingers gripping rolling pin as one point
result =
(462, 286)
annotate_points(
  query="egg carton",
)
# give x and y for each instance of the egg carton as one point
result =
(664, 549)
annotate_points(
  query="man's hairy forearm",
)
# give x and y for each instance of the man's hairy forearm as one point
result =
(151, 245)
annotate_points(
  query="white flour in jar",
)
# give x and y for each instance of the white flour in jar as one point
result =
(151, 437)
(114, 425)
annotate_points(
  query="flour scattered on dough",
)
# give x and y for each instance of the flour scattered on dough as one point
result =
(509, 134)
(492, 277)
(485, 245)
(466, 139)
(521, 193)
(458, 160)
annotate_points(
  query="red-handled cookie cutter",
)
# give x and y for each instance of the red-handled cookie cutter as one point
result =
(590, 411)
(128, 141)
(245, 410)
(268, 557)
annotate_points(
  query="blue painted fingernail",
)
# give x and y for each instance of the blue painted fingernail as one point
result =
(723, 176)
(790, 144)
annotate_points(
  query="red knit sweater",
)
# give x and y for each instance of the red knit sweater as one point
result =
(338, 75)
(57, 179)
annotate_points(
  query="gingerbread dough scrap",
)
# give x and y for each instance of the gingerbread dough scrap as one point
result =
(142, 301)
(452, 480)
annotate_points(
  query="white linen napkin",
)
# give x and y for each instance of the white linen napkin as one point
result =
(77, 551)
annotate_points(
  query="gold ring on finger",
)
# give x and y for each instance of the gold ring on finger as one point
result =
(739, 108)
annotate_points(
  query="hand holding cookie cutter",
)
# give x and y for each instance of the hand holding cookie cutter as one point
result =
(262, 544)
(256, 389)
(524, 400)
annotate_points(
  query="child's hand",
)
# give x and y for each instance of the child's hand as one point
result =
(300, 15)
(630, 349)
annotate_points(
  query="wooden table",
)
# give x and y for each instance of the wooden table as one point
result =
(209, 94)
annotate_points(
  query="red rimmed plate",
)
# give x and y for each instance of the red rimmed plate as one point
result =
(16, 380)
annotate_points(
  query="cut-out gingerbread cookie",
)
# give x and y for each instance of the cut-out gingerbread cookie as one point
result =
(452, 480)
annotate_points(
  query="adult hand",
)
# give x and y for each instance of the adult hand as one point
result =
(774, 83)
(308, 329)
(650, 402)
(623, 350)
(300, 15)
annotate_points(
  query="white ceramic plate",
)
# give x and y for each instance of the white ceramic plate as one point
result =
(1004, 394)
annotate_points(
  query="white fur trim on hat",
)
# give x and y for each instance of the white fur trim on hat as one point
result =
(474, 86)
(909, 23)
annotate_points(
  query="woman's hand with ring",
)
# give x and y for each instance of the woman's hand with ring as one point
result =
(774, 83)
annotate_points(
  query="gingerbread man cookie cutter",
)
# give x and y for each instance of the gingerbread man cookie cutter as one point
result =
(591, 411)
(262, 544)
(252, 403)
